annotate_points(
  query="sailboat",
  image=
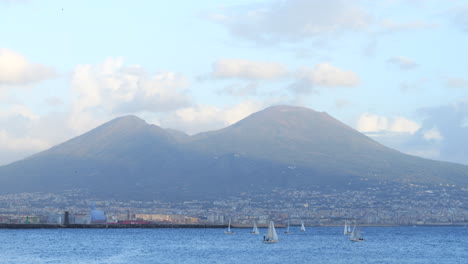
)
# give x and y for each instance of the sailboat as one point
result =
(356, 235)
(228, 231)
(271, 236)
(302, 226)
(255, 229)
(347, 228)
(287, 229)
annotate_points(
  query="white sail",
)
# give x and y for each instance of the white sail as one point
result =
(358, 233)
(229, 228)
(255, 229)
(302, 226)
(271, 236)
(287, 229)
(349, 229)
(352, 237)
(345, 232)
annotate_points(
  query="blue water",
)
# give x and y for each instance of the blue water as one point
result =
(316, 245)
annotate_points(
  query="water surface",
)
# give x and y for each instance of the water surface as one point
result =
(316, 245)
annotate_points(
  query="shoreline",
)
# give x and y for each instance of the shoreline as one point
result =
(126, 226)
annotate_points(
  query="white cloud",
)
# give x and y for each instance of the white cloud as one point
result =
(245, 69)
(12, 143)
(369, 123)
(325, 74)
(112, 88)
(432, 134)
(23, 132)
(15, 69)
(203, 118)
(403, 62)
(294, 19)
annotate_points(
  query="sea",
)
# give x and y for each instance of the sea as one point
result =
(191, 245)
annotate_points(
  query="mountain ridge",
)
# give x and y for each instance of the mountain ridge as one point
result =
(278, 147)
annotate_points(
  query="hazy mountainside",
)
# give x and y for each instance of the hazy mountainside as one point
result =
(279, 147)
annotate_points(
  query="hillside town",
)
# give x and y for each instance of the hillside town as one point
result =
(385, 204)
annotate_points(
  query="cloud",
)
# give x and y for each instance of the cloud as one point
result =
(15, 69)
(369, 123)
(442, 131)
(245, 69)
(403, 62)
(325, 74)
(112, 88)
(432, 134)
(23, 132)
(12, 143)
(293, 20)
(201, 118)
(453, 82)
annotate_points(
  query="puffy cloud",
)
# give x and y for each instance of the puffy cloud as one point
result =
(203, 118)
(443, 130)
(15, 69)
(403, 62)
(112, 88)
(245, 69)
(294, 19)
(369, 123)
(325, 74)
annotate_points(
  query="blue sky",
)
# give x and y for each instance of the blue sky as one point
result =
(395, 70)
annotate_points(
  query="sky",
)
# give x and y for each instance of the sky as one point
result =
(395, 70)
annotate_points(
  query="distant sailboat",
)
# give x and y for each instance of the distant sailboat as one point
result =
(287, 229)
(302, 226)
(255, 229)
(356, 235)
(229, 228)
(347, 228)
(271, 236)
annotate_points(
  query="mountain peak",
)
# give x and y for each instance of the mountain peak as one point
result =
(288, 108)
(127, 120)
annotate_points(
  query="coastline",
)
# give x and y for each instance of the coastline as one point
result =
(117, 226)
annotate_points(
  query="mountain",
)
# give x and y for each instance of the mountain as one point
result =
(279, 147)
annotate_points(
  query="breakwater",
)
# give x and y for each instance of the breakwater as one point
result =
(57, 226)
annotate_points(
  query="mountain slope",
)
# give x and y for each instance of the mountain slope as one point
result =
(279, 147)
